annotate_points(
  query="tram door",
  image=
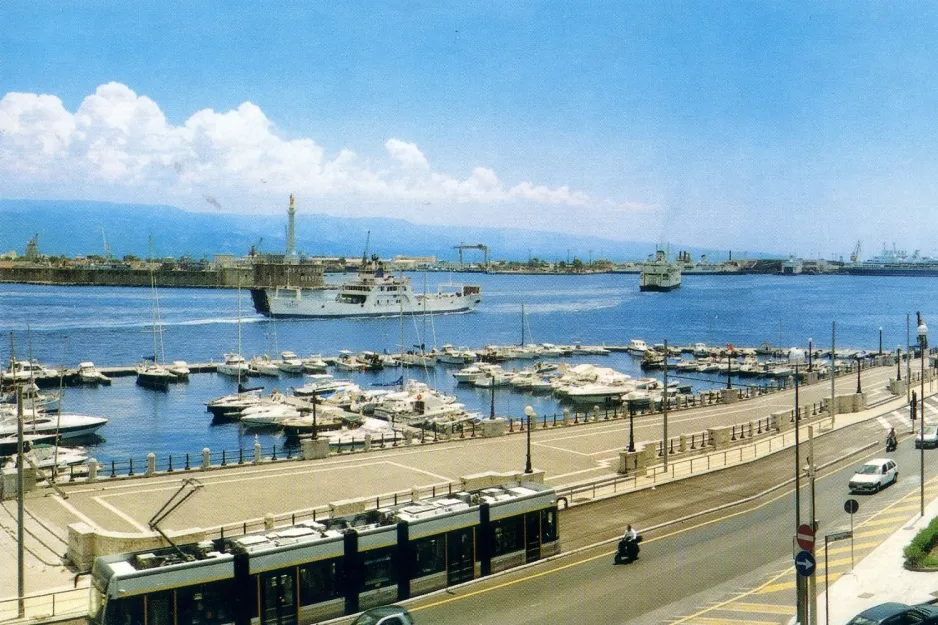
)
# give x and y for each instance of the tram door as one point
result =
(278, 598)
(532, 536)
(459, 557)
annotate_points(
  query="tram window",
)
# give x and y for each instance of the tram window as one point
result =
(160, 608)
(319, 581)
(509, 534)
(205, 604)
(126, 611)
(548, 525)
(378, 566)
(429, 556)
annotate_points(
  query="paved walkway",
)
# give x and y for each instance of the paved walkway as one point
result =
(880, 576)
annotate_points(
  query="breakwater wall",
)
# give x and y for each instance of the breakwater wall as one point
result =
(224, 277)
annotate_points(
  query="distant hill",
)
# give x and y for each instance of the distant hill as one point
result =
(75, 228)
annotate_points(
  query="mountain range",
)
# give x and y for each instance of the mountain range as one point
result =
(73, 228)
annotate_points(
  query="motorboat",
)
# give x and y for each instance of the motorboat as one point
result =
(233, 365)
(320, 384)
(33, 399)
(263, 365)
(89, 374)
(456, 356)
(66, 426)
(230, 406)
(637, 347)
(469, 374)
(22, 371)
(46, 456)
(290, 363)
(180, 369)
(154, 376)
(315, 364)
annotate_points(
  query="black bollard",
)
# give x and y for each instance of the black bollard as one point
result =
(733, 437)
(187, 461)
(113, 471)
(170, 468)
(131, 472)
(240, 455)
(224, 459)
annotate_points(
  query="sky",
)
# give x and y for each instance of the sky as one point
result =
(788, 127)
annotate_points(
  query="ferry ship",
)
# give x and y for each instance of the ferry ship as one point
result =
(660, 274)
(894, 263)
(373, 293)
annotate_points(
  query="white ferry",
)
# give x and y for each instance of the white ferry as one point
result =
(371, 294)
(660, 274)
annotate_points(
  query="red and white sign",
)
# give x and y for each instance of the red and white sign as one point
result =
(805, 537)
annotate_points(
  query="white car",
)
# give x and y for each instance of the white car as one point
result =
(928, 439)
(874, 475)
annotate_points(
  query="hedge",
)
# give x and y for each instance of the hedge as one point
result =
(917, 552)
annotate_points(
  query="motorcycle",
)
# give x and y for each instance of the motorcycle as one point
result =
(890, 443)
(627, 551)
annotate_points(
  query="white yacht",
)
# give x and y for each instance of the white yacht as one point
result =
(29, 371)
(180, 369)
(290, 363)
(233, 365)
(89, 374)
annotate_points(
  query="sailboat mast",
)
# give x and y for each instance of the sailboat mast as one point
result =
(522, 325)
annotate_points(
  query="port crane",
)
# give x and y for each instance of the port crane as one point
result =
(478, 246)
(855, 254)
(107, 248)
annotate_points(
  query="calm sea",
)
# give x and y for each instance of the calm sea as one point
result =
(113, 326)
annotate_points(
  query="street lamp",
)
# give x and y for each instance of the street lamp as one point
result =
(810, 341)
(492, 411)
(859, 390)
(631, 426)
(796, 359)
(529, 414)
(898, 363)
(880, 340)
(923, 346)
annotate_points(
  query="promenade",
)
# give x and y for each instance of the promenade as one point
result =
(579, 460)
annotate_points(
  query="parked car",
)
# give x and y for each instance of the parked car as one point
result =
(874, 475)
(897, 614)
(929, 439)
(385, 615)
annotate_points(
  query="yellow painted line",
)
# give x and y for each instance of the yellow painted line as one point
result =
(877, 532)
(769, 608)
(790, 585)
(838, 550)
(898, 520)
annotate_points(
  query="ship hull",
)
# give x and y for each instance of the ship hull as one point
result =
(659, 287)
(323, 305)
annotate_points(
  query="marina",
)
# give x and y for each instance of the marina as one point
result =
(111, 327)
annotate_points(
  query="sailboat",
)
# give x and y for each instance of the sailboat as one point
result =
(151, 373)
(234, 364)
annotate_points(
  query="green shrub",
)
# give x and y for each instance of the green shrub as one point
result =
(917, 552)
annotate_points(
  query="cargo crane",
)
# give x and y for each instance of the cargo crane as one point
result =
(856, 253)
(478, 246)
(107, 248)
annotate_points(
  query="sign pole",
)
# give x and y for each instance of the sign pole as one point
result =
(812, 580)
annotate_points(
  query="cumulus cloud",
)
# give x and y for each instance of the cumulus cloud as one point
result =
(121, 139)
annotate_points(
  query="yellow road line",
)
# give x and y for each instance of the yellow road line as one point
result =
(706, 620)
(769, 608)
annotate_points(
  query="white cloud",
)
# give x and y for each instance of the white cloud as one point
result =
(122, 141)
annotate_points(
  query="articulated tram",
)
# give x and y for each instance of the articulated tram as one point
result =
(317, 570)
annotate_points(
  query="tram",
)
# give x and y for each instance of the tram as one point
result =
(317, 570)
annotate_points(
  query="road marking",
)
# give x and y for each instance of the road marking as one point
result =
(121, 514)
(75, 511)
(883, 422)
(707, 620)
(416, 470)
(769, 608)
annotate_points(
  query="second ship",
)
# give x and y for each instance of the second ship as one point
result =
(373, 293)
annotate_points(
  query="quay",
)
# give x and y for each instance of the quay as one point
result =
(585, 463)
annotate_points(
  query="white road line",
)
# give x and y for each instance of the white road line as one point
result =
(883, 422)
(444, 478)
(75, 511)
(121, 514)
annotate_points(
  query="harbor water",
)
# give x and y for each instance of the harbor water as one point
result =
(114, 327)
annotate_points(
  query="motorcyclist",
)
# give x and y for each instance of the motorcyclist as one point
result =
(891, 439)
(631, 542)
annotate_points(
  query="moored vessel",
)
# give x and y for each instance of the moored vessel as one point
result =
(660, 274)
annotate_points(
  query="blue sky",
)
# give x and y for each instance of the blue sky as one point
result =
(779, 126)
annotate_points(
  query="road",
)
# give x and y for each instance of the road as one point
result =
(733, 567)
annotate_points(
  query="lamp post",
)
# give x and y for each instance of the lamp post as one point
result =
(898, 363)
(880, 340)
(529, 415)
(859, 389)
(492, 411)
(796, 359)
(631, 427)
(810, 345)
(923, 346)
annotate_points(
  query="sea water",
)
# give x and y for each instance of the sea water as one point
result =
(114, 326)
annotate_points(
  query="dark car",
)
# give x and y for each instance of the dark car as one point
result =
(385, 615)
(897, 614)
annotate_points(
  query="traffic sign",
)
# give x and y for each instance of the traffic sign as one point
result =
(805, 536)
(851, 506)
(845, 534)
(805, 564)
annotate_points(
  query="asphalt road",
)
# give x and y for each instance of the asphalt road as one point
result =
(686, 567)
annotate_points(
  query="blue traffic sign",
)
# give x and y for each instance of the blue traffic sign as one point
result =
(805, 564)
